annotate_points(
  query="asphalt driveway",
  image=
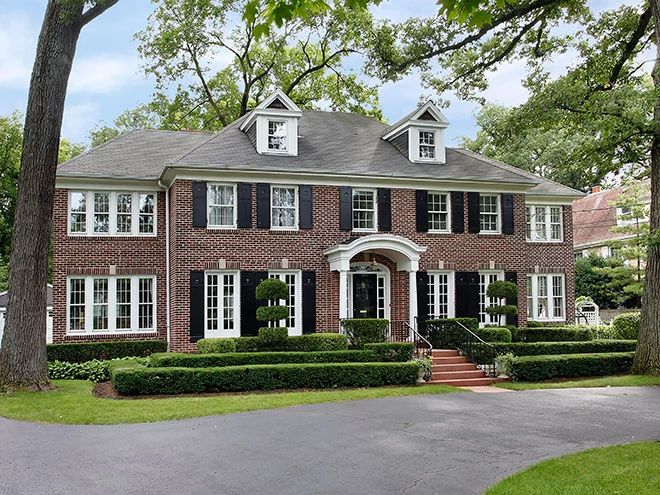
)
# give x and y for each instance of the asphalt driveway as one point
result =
(447, 444)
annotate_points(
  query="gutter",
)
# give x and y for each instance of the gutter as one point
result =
(167, 262)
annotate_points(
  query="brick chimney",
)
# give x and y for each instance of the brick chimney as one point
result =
(595, 189)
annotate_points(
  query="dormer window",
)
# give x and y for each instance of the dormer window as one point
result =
(426, 145)
(277, 135)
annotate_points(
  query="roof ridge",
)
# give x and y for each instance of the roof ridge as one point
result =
(499, 164)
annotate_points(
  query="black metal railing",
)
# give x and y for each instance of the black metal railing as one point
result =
(402, 331)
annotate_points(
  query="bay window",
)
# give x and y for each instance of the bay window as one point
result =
(544, 223)
(284, 207)
(441, 295)
(546, 297)
(438, 208)
(221, 206)
(102, 213)
(221, 304)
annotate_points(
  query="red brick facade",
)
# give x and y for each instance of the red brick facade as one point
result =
(258, 249)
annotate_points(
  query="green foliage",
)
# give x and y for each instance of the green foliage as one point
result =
(502, 289)
(605, 281)
(272, 313)
(212, 346)
(306, 343)
(536, 368)
(551, 334)
(149, 381)
(425, 368)
(448, 332)
(391, 351)
(494, 334)
(503, 364)
(271, 288)
(93, 371)
(503, 310)
(626, 326)
(362, 331)
(273, 338)
(79, 353)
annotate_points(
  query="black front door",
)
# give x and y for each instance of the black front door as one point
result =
(364, 295)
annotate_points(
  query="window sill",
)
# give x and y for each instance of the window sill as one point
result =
(545, 242)
(221, 227)
(284, 231)
(365, 231)
(558, 320)
(439, 232)
(110, 334)
(112, 236)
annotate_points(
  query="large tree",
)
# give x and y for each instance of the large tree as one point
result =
(23, 353)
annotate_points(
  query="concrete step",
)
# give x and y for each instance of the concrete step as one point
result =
(455, 375)
(449, 360)
(453, 367)
(465, 382)
(444, 352)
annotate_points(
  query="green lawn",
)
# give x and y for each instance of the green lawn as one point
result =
(605, 381)
(622, 469)
(73, 403)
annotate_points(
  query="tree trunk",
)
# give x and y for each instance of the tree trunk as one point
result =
(647, 357)
(23, 353)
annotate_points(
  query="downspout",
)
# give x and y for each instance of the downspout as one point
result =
(167, 262)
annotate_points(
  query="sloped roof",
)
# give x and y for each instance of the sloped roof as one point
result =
(593, 218)
(4, 296)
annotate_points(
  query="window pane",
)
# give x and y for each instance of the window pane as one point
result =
(363, 209)
(539, 223)
(102, 213)
(123, 303)
(78, 215)
(426, 144)
(145, 304)
(557, 297)
(100, 304)
(528, 223)
(488, 213)
(438, 211)
(77, 304)
(542, 303)
(556, 223)
(212, 302)
(530, 299)
(277, 135)
(283, 207)
(147, 213)
(228, 302)
(221, 205)
(124, 210)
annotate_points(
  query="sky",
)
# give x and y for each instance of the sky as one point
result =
(106, 78)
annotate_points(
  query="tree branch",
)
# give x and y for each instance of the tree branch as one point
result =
(95, 11)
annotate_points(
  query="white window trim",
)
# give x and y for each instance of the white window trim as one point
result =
(296, 207)
(298, 328)
(435, 145)
(548, 228)
(112, 305)
(448, 229)
(451, 292)
(386, 276)
(221, 332)
(534, 277)
(375, 195)
(288, 135)
(499, 214)
(89, 214)
(500, 276)
(233, 226)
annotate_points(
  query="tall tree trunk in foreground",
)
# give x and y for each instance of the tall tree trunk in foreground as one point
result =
(647, 357)
(23, 353)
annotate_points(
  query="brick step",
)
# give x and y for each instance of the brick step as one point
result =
(465, 382)
(444, 352)
(449, 360)
(453, 367)
(455, 375)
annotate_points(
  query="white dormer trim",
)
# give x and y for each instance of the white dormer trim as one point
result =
(440, 120)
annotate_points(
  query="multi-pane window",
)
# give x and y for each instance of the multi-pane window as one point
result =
(221, 303)
(293, 303)
(364, 209)
(114, 304)
(544, 223)
(545, 297)
(277, 138)
(221, 205)
(441, 295)
(112, 213)
(489, 213)
(426, 145)
(284, 207)
(485, 279)
(438, 212)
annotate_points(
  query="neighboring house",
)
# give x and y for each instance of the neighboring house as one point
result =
(594, 217)
(166, 234)
(49, 313)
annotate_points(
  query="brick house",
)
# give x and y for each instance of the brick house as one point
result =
(165, 235)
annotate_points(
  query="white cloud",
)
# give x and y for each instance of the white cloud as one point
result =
(79, 118)
(18, 38)
(104, 73)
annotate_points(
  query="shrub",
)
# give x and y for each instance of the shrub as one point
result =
(391, 351)
(551, 334)
(272, 313)
(273, 338)
(246, 344)
(506, 291)
(425, 368)
(626, 326)
(447, 332)
(362, 331)
(82, 352)
(148, 381)
(208, 346)
(94, 370)
(271, 289)
(536, 368)
(494, 334)
(503, 364)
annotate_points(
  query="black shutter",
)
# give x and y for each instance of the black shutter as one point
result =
(309, 302)
(422, 210)
(199, 204)
(263, 206)
(467, 294)
(305, 204)
(511, 277)
(457, 212)
(345, 208)
(249, 303)
(384, 210)
(422, 297)
(196, 306)
(473, 212)
(507, 214)
(244, 215)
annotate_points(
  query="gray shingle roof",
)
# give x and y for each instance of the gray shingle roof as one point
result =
(329, 143)
(4, 296)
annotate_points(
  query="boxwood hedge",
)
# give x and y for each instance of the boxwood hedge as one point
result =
(149, 381)
(551, 334)
(536, 368)
(308, 342)
(391, 351)
(83, 352)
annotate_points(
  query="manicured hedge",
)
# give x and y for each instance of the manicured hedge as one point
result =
(551, 334)
(80, 353)
(626, 326)
(391, 351)
(309, 342)
(363, 331)
(494, 334)
(553, 348)
(536, 368)
(149, 381)
(447, 332)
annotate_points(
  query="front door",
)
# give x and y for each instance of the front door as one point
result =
(365, 295)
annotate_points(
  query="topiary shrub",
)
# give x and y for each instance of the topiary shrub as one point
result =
(626, 326)
(272, 290)
(213, 346)
(272, 314)
(362, 331)
(502, 290)
(273, 338)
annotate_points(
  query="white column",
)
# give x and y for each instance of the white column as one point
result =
(343, 294)
(412, 298)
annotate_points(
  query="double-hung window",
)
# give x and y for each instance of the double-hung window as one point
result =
(111, 304)
(221, 206)
(277, 135)
(222, 304)
(485, 279)
(364, 209)
(489, 213)
(101, 213)
(545, 297)
(293, 303)
(544, 223)
(426, 145)
(284, 207)
(441, 295)
(438, 212)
